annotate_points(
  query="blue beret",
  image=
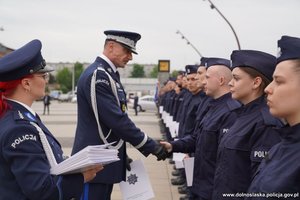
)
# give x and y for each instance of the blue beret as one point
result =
(260, 61)
(23, 61)
(217, 61)
(203, 61)
(127, 39)
(288, 48)
(191, 69)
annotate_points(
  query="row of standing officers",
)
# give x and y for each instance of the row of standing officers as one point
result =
(224, 121)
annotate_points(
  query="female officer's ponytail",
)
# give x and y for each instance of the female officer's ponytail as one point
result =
(5, 88)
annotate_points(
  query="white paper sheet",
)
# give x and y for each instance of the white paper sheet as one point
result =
(85, 159)
(178, 158)
(189, 170)
(137, 185)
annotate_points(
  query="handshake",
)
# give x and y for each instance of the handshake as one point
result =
(162, 150)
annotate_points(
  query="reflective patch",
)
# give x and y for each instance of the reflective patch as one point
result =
(225, 130)
(30, 116)
(260, 154)
(23, 138)
(102, 81)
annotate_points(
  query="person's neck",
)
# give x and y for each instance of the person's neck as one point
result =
(220, 93)
(293, 119)
(21, 99)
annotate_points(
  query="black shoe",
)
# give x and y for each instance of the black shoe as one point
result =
(183, 186)
(184, 197)
(176, 173)
(172, 162)
(178, 181)
(182, 190)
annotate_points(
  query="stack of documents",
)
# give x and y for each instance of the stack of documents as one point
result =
(85, 159)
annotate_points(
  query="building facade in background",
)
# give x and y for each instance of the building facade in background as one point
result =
(4, 50)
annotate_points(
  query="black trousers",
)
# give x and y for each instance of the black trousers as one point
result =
(96, 191)
(46, 106)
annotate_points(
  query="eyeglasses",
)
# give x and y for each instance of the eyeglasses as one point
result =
(45, 76)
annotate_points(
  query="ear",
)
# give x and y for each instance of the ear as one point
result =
(222, 80)
(25, 82)
(257, 82)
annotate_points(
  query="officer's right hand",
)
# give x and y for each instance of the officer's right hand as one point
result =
(160, 152)
(167, 146)
(91, 173)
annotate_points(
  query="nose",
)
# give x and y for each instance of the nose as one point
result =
(230, 83)
(268, 89)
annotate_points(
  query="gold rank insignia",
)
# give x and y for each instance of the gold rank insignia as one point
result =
(123, 107)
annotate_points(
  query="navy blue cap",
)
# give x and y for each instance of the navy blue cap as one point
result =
(288, 48)
(217, 61)
(127, 39)
(203, 61)
(260, 61)
(181, 72)
(172, 79)
(23, 61)
(191, 69)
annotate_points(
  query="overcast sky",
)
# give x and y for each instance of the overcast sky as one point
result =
(72, 30)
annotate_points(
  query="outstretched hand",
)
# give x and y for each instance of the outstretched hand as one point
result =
(167, 146)
(160, 152)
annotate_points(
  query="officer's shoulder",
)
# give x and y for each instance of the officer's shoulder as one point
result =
(15, 122)
(268, 118)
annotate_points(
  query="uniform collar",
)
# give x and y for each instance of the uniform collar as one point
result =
(253, 105)
(221, 98)
(290, 133)
(24, 105)
(114, 68)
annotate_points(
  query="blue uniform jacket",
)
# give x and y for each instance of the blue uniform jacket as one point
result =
(191, 114)
(204, 142)
(279, 172)
(180, 104)
(24, 168)
(183, 113)
(111, 116)
(243, 147)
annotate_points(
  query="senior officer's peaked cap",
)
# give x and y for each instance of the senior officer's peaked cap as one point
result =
(23, 61)
(217, 61)
(260, 61)
(288, 48)
(126, 38)
(191, 69)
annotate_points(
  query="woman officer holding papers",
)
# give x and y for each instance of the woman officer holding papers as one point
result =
(25, 142)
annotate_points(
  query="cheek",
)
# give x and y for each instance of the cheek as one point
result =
(284, 102)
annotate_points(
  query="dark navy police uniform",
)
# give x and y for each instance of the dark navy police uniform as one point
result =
(278, 177)
(280, 171)
(107, 102)
(204, 142)
(244, 146)
(248, 141)
(24, 167)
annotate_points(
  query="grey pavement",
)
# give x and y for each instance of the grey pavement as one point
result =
(62, 123)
